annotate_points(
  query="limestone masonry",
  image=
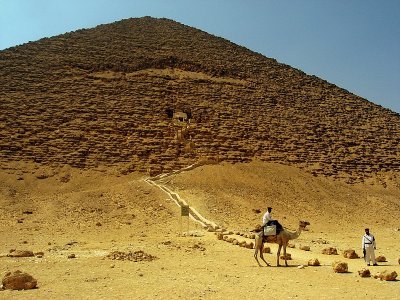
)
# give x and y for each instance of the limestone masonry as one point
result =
(153, 95)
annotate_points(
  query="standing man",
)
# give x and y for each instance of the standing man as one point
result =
(369, 246)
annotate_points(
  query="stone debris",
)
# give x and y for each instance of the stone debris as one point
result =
(350, 254)
(386, 275)
(381, 258)
(364, 273)
(18, 281)
(305, 248)
(340, 267)
(330, 251)
(135, 256)
(314, 262)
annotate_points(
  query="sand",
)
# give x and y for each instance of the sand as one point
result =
(93, 213)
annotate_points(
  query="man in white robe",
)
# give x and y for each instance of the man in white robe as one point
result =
(369, 246)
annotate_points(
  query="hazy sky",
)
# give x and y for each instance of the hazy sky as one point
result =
(354, 44)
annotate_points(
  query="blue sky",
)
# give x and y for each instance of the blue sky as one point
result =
(354, 44)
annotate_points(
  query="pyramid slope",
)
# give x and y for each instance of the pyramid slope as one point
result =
(99, 98)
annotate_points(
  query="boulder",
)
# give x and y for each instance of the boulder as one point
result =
(340, 267)
(249, 245)
(330, 251)
(313, 262)
(386, 275)
(267, 250)
(350, 254)
(381, 258)
(288, 256)
(364, 273)
(305, 248)
(18, 281)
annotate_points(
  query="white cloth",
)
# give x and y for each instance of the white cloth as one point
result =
(368, 240)
(267, 217)
(369, 244)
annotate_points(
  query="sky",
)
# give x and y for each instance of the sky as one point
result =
(354, 44)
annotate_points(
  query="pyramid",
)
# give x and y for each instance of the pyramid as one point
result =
(153, 95)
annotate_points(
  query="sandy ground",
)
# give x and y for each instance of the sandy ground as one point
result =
(92, 213)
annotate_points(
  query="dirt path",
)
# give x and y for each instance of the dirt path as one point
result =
(193, 213)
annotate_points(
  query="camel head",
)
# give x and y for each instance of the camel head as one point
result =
(304, 224)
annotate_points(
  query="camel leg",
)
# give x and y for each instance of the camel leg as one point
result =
(284, 254)
(262, 254)
(257, 247)
(277, 256)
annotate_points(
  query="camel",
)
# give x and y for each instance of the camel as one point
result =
(281, 239)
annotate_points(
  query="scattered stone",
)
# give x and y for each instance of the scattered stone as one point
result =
(18, 281)
(301, 267)
(20, 253)
(249, 245)
(131, 256)
(98, 224)
(340, 267)
(398, 260)
(313, 262)
(291, 245)
(267, 250)
(350, 254)
(364, 273)
(39, 254)
(381, 258)
(72, 255)
(386, 275)
(330, 251)
(288, 256)
(220, 236)
(305, 248)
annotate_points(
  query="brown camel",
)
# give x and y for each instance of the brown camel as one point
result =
(281, 239)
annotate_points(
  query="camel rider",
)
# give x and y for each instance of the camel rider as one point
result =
(267, 220)
(369, 246)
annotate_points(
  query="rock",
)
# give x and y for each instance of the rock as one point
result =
(364, 273)
(235, 242)
(220, 236)
(340, 267)
(20, 253)
(386, 275)
(71, 256)
(267, 250)
(398, 260)
(330, 251)
(249, 245)
(350, 254)
(291, 245)
(18, 281)
(288, 256)
(381, 258)
(301, 267)
(305, 248)
(313, 262)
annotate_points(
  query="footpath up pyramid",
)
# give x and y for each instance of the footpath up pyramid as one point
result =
(153, 95)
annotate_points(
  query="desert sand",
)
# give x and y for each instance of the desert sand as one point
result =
(94, 213)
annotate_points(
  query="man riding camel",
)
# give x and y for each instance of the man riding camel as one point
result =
(268, 220)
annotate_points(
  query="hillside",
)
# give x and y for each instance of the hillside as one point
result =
(111, 96)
